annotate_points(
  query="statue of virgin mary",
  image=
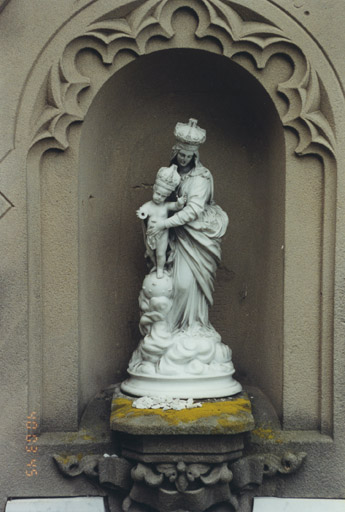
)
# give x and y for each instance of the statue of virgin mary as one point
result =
(181, 354)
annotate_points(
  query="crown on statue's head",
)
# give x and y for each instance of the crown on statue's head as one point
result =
(168, 178)
(190, 134)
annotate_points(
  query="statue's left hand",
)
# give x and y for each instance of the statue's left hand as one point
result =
(156, 227)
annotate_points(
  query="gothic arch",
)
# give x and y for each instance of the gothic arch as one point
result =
(118, 36)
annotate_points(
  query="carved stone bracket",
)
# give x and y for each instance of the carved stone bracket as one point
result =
(110, 472)
(131, 33)
(180, 485)
(249, 471)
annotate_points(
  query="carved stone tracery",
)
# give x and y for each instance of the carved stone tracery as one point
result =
(111, 36)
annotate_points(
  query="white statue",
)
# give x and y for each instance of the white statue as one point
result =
(181, 354)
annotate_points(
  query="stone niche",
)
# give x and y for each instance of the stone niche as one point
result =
(127, 75)
(93, 122)
(127, 136)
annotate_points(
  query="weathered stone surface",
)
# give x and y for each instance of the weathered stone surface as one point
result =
(193, 448)
(259, 73)
(228, 416)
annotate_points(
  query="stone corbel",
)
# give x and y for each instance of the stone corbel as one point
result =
(180, 485)
(111, 472)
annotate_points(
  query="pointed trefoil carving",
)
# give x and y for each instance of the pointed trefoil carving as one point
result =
(218, 19)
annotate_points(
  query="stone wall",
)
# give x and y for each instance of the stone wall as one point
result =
(90, 94)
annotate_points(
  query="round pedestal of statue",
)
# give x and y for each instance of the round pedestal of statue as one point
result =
(181, 387)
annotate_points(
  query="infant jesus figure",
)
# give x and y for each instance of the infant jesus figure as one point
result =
(157, 211)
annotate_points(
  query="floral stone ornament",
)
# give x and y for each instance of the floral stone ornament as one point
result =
(181, 354)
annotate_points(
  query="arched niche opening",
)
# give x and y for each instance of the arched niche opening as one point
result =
(126, 136)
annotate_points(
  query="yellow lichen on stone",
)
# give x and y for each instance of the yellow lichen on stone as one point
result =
(88, 437)
(235, 426)
(66, 460)
(223, 411)
(266, 434)
(83, 435)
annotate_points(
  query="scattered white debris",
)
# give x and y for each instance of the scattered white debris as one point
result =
(107, 455)
(165, 403)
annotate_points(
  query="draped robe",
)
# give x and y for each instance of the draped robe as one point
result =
(195, 238)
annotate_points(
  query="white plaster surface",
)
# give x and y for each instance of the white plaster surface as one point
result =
(57, 505)
(214, 386)
(297, 505)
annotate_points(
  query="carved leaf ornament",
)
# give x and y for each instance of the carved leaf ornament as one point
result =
(182, 474)
(217, 19)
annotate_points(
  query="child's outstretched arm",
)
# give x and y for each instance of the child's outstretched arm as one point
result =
(178, 205)
(144, 211)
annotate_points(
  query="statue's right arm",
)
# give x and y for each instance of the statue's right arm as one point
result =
(144, 211)
(195, 204)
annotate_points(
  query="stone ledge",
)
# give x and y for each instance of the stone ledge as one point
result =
(231, 415)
